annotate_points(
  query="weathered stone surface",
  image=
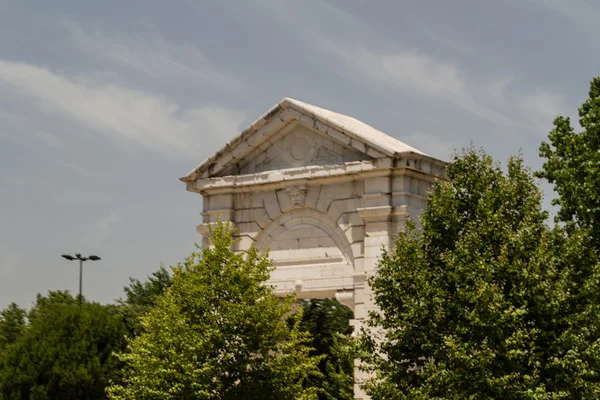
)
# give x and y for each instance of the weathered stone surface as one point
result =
(322, 191)
(298, 148)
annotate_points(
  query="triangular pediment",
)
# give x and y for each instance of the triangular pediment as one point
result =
(296, 146)
(294, 134)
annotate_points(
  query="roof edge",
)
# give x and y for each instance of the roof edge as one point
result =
(299, 107)
(261, 121)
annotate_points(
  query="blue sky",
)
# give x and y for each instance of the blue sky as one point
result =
(104, 105)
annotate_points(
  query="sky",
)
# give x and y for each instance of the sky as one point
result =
(104, 105)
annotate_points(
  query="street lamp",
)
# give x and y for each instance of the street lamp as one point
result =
(81, 260)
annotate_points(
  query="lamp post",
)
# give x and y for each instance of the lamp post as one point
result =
(81, 260)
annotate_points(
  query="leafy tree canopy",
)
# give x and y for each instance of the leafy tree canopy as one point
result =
(486, 301)
(218, 332)
(573, 165)
(12, 324)
(146, 293)
(328, 323)
(140, 297)
(65, 352)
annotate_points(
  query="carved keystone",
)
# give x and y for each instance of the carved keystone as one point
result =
(297, 195)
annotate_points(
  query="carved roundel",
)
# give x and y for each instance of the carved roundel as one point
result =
(299, 149)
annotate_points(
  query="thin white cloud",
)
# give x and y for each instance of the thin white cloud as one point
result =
(386, 67)
(23, 127)
(423, 74)
(434, 145)
(103, 227)
(80, 196)
(498, 100)
(78, 169)
(15, 126)
(156, 57)
(148, 119)
(498, 89)
(542, 107)
(50, 139)
(584, 14)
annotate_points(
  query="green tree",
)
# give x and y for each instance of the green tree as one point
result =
(328, 323)
(485, 301)
(340, 368)
(573, 166)
(65, 352)
(140, 297)
(146, 293)
(218, 332)
(12, 324)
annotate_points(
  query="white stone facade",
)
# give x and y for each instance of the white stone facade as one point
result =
(322, 191)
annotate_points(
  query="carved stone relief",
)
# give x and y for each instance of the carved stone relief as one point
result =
(300, 148)
(297, 195)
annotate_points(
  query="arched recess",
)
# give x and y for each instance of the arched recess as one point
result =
(312, 256)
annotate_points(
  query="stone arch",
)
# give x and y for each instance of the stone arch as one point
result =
(311, 253)
(308, 217)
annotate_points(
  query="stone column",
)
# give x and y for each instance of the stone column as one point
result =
(376, 215)
(213, 207)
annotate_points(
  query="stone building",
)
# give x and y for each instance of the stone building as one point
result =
(323, 191)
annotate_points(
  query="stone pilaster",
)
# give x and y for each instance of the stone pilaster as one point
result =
(376, 214)
(213, 208)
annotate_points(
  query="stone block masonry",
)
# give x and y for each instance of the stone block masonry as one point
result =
(323, 192)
